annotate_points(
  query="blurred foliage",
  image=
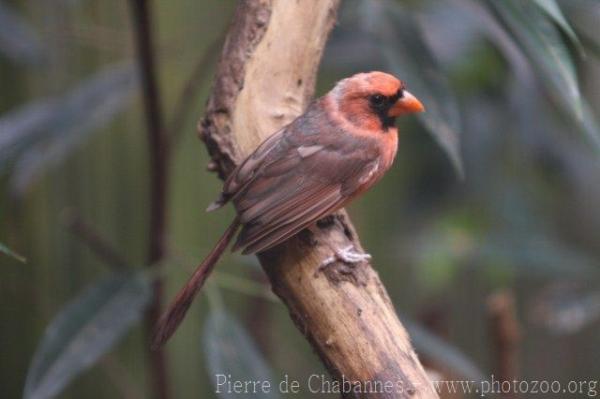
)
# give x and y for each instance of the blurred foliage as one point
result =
(18, 41)
(385, 22)
(511, 90)
(444, 354)
(9, 252)
(43, 132)
(565, 308)
(542, 43)
(231, 354)
(84, 330)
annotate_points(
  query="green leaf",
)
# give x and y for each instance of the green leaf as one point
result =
(542, 43)
(441, 352)
(551, 8)
(42, 133)
(589, 125)
(18, 41)
(84, 330)
(544, 46)
(7, 251)
(408, 55)
(591, 43)
(230, 351)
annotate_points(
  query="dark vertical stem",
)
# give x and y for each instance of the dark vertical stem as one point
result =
(506, 336)
(159, 154)
(434, 317)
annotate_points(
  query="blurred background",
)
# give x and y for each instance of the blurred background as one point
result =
(486, 232)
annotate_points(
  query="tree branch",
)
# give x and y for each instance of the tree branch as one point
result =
(265, 78)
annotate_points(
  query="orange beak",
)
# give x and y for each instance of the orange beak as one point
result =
(407, 104)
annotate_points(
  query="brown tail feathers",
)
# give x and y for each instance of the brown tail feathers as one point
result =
(171, 319)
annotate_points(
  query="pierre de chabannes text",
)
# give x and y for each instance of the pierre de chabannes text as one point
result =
(320, 383)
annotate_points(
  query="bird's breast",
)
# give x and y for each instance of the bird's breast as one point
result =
(388, 146)
(382, 150)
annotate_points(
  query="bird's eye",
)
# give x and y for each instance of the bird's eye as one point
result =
(377, 100)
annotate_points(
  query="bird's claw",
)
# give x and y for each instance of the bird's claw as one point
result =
(346, 255)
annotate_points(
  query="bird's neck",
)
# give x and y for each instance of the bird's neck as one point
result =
(386, 140)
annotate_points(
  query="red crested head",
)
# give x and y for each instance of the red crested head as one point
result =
(373, 100)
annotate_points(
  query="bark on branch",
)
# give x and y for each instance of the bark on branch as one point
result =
(265, 78)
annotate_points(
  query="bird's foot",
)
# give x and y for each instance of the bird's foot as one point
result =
(347, 255)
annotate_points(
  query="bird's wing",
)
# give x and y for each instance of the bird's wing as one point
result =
(245, 173)
(291, 186)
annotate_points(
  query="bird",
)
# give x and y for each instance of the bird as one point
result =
(337, 149)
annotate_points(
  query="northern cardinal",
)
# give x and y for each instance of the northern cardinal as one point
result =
(341, 146)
